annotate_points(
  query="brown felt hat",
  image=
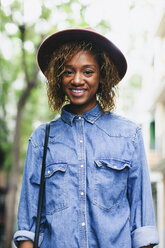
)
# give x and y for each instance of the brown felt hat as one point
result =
(55, 40)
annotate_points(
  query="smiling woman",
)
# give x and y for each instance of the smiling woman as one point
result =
(97, 187)
(108, 79)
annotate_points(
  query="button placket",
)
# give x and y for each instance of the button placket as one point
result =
(82, 182)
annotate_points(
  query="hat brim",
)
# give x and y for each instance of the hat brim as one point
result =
(55, 40)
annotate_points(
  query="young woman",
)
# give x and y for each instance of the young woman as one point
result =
(97, 192)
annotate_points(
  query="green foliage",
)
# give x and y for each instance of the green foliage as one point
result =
(135, 82)
(65, 7)
(103, 26)
(8, 74)
(5, 147)
(83, 22)
(45, 13)
(130, 91)
(132, 6)
(16, 5)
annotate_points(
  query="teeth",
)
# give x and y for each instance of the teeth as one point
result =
(78, 91)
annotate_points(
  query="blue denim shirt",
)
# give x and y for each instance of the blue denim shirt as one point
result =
(97, 192)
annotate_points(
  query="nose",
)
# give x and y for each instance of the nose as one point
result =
(77, 79)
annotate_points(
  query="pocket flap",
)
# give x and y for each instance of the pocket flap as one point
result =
(112, 163)
(52, 168)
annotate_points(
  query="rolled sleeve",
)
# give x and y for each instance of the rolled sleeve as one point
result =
(142, 219)
(24, 235)
(144, 236)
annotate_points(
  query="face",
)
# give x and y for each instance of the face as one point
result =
(80, 81)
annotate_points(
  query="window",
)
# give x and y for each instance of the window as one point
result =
(152, 135)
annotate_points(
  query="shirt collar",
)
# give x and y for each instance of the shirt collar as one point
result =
(91, 116)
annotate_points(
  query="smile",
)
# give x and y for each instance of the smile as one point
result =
(78, 91)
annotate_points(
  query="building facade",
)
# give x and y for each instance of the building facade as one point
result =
(154, 125)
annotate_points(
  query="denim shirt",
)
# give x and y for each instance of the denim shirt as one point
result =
(97, 187)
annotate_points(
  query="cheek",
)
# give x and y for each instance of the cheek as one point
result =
(63, 87)
(63, 83)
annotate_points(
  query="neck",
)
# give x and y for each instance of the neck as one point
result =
(80, 109)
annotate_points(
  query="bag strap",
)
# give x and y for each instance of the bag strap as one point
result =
(42, 187)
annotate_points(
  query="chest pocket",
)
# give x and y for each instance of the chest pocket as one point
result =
(110, 182)
(56, 194)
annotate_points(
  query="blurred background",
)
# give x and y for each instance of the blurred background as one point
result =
(137, 27)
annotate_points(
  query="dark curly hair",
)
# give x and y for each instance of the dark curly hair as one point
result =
(109, 74)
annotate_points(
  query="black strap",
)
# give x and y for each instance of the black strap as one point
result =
(42, 187)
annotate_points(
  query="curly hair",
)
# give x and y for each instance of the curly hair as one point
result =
(108, 72)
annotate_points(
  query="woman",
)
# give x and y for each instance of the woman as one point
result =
(97, 191)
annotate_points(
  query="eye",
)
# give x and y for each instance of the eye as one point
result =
(88, 72)
(68, 72)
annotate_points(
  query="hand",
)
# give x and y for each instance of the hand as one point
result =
(149, 246)
(26, 244)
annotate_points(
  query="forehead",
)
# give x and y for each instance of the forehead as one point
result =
(81, 56)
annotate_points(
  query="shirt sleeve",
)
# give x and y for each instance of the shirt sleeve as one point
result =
(27, 210)
(142, 220)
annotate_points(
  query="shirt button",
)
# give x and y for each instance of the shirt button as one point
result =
(83, 223)
(82, 193)
(48, 171)
(79, 117)
(81, 165)
(81, 141)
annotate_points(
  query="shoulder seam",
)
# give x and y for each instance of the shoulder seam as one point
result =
(34, 144)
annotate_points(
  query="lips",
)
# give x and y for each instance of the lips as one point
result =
(78, 92)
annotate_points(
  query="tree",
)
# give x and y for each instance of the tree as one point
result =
(24, 67)
(30, 82)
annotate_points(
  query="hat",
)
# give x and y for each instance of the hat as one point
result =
(57, 39)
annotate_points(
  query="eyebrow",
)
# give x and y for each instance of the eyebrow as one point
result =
(84, 66)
